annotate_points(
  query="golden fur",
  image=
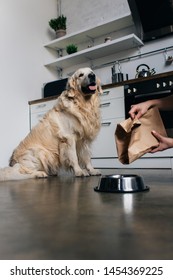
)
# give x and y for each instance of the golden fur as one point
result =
(62, 138)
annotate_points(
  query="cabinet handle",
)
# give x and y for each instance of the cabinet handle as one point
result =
(105, 93)
(40, 115)
(41, 106)
(106, 123)
(105, 104)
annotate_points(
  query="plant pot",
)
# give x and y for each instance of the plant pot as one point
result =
(71, 52)
(70, 49)
(60, 33)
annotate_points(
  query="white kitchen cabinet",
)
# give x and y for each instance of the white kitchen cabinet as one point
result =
(111, 93)
(104, 152)
(39, 109)
(104, 145)
(112, 108)
(112, 113)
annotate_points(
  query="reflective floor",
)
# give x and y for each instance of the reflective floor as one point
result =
(64, 218)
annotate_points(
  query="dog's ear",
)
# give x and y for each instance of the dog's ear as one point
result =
(71, 84)
(99, 88)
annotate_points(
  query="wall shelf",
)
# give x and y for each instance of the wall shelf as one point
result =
(95, 32)
(101, 50)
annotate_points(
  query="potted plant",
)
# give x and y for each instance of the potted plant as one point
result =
(58, 25)
(71, 48)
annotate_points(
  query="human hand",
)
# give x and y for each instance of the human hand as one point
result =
(164, 142)
(139, 110)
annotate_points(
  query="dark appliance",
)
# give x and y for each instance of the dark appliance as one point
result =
(142, 89)
(152, 18)
(54, 88)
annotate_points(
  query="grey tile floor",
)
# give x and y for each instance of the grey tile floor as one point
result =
(64, 218)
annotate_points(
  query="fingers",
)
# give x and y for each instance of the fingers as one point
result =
(138, 115)
(157, 135)
(138, 110)
(154, 150)
(135, 112)
(164, 142)
(132, 115)
(132, 112)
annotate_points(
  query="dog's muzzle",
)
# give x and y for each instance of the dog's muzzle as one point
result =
(90, 87)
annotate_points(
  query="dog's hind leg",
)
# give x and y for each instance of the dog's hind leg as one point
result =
(19, 172)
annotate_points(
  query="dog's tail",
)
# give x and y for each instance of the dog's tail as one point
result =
(19, 172)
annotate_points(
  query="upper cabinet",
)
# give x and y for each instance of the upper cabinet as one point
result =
(91, 44)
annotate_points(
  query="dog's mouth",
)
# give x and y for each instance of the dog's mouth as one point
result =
(89, 89)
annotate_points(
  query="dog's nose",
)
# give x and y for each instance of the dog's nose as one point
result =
(92, 77)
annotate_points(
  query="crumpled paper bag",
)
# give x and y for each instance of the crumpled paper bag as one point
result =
(133, 137)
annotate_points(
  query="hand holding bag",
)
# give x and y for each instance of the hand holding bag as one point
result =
(133, 137)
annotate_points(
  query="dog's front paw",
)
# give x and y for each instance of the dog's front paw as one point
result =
(82, 173)
(86, 173)
(94, 172)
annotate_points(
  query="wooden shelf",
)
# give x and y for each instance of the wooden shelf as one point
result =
(101, 50)
(93, 33)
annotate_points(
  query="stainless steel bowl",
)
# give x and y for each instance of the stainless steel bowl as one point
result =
(125, 183)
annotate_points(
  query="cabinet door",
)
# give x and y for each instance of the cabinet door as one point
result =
(42, 106)
(104, 145)
(35, 118)
(37, 111)
(112, 108)
(112, 93)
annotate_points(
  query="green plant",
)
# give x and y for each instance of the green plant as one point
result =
(71, 49)
(58, 23)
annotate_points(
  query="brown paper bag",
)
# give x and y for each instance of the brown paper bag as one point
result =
(133, 137)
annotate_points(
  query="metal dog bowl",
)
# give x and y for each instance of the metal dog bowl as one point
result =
(121, 184)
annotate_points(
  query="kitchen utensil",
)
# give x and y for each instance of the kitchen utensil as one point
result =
(120, 77)
(117, 75)
(114, 74)
(168, 58)
(126, 183)
(145, 72)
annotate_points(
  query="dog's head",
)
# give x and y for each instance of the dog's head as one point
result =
(85, 81)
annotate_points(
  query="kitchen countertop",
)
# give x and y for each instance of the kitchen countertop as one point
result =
(136, 80)
(64, 218)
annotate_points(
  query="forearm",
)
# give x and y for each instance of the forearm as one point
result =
(165, 103)
(140, 109)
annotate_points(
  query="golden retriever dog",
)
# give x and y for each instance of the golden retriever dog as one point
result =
(63, 137)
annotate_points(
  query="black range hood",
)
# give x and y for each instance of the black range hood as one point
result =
(153, 18)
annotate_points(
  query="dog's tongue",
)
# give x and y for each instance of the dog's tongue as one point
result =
(92, 87)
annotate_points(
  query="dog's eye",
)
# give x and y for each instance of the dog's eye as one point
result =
(81, 75)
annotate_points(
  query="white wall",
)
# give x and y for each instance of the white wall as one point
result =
(84, 14)
(24, 29)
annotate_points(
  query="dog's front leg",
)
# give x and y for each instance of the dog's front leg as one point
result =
(91, 170)
(85, 159)
(69, 156)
